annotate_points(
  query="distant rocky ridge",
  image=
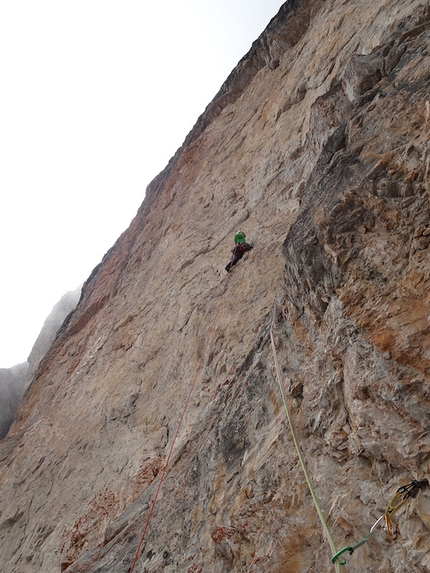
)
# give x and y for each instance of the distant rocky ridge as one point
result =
(318, 147)
(15, 380)
(12, 386)
(59, 313)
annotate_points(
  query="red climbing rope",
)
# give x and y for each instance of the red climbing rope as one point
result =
(164, 470)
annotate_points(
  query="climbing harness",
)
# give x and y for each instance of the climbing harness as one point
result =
(164, 470)
(299, 453)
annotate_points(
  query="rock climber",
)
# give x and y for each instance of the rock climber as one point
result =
(240, 247)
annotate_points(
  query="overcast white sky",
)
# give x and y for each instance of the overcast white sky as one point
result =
(96, 97)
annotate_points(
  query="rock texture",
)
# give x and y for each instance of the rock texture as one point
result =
(318, 147)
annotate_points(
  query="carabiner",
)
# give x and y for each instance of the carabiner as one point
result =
(339, 553)
(358, 544)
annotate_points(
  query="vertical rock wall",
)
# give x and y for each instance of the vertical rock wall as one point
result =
(317, 146)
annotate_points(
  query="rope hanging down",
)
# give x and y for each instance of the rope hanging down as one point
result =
(401, 496)
(164, 470)
(299, 453)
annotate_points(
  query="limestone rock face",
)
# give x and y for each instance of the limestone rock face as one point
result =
(317, 146)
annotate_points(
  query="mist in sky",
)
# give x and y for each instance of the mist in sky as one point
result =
(97, 95)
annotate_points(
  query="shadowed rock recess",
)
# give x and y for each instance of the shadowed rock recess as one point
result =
(317, 146)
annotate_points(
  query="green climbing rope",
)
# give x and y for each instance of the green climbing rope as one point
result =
(299, 453)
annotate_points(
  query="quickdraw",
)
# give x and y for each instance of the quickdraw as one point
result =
(401, 496)
(351, 549)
